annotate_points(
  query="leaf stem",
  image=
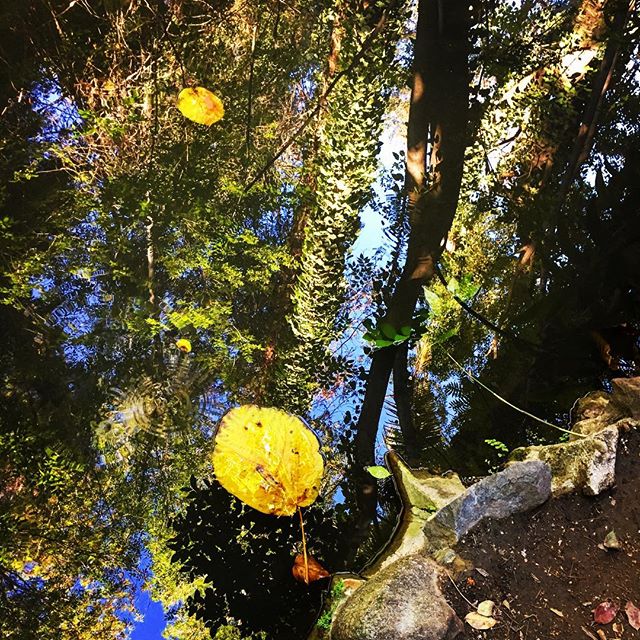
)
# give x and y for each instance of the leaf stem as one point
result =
(304, 548)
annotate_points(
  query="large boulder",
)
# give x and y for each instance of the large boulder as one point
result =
(520, 487)
(593, 413)
(626, 394)
(586, 465)
(401, 602)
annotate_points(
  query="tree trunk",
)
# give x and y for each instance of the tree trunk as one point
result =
(438, 115)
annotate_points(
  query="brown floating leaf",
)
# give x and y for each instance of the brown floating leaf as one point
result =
(605, 612)
(633, 614)
(316, 570)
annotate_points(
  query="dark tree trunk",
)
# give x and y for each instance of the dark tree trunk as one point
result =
(438, 115)
(403, 397)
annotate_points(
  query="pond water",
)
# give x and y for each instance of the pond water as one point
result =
(158, 269)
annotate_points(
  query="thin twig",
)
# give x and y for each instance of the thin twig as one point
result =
(513, 406)
(458, 590)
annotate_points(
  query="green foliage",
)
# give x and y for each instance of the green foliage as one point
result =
(335, 595)
(123, 226)
(343, 170)
(500, 447)
(380, 473)
(384, 334)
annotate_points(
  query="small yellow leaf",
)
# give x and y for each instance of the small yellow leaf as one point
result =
(200, 105)
(268, 458)
(184, 345)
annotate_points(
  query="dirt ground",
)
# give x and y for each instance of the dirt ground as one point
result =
(553, 558)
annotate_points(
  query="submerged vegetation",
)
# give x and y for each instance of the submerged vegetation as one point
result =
(185, 191)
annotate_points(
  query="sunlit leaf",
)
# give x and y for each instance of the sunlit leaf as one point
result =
(611, 541)
(200, 105)
(184, 345)
(485, 608)
(633, 615)
(269, 459)
(478, 621)
(378, 472)
(605, 612)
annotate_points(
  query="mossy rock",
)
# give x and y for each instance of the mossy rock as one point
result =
(586, 465)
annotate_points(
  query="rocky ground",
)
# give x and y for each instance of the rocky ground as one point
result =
(547, 570)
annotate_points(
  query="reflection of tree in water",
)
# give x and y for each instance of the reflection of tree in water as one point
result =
(247, 557)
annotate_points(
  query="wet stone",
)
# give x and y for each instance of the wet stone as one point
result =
(401, 602)
(586, 465)
(520, 487)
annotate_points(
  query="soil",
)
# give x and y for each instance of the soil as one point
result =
(547, 570)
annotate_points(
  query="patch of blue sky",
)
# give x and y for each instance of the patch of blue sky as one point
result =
(58, 111)
(149, 622)
(372, 244)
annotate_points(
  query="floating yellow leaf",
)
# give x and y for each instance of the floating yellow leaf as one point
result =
(200, 105)
(269, 459)
(184, 345)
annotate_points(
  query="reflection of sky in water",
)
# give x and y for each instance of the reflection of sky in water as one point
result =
(370, 240)
(76, 317)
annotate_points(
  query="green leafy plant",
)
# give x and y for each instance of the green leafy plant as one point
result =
(335, 595)
(500, 447)
(384, 334)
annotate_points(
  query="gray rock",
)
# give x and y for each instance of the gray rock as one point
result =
(586, 465)
(401, 602)
(626, 394)
(520, 487)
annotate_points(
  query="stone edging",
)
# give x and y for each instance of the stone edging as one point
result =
(400, 596)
